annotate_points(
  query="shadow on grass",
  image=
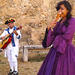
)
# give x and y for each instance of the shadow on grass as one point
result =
(37, 58)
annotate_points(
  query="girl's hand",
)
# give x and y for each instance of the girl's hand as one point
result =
(52, 25)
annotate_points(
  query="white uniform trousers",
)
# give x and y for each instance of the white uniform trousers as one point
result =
(12, 59)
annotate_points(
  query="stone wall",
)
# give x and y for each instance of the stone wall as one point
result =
(33, 15)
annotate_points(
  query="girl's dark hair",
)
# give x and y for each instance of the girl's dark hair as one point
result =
(69, 8)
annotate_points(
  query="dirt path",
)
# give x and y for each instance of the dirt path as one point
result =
(25, 68)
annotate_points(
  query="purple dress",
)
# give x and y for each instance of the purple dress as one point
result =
(61, 57)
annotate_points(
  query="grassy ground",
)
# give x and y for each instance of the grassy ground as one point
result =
(25, 68)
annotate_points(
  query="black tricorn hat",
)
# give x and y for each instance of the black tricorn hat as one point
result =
(9, 21)
(6, 22)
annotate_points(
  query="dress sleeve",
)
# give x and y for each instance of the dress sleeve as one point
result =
(62, 40)
(48, 39)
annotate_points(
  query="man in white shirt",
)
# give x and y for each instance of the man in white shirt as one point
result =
(12, 50)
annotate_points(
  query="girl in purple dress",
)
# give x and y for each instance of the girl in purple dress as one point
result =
(61, 57)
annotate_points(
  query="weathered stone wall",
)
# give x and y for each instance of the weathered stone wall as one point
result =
(33, 15)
